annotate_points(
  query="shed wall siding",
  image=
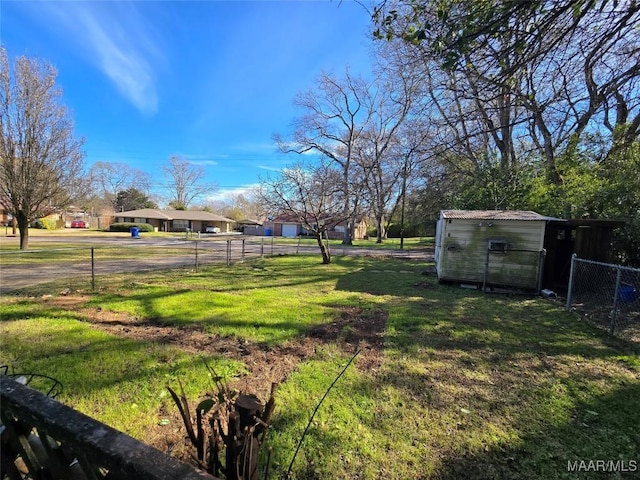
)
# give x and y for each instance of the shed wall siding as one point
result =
(463, 251)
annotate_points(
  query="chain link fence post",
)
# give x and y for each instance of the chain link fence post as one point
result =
(570, 286)
(616, 294)
(93, 271)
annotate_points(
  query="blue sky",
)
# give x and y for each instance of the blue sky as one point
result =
(211, 81)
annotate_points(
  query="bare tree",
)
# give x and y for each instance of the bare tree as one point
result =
(335, 115)
(185, 182)
(40, 158)
(310, 194)
(111, 178)
(381, 160)
(242, 205)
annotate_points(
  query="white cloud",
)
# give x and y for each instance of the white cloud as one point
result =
(205, 163)
(117, 40)
(228, 193)
(212, 160)
(270, 169)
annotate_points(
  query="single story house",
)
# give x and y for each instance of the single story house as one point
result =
(359, 229)
(5, 217)
(176, 220)
(286, 225)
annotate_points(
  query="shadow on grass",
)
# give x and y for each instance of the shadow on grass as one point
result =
(514, 387)
(86, 360)
(602, 428)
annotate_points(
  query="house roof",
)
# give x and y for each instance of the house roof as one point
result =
(291, 218)
(198, 215)
(248, 221)
(523, 215)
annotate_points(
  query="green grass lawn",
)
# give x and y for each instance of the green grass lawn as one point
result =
(467, 385)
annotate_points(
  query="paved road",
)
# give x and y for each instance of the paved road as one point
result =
(160, 253)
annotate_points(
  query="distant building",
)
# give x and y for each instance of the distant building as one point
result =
(290, 226)
(176, 220)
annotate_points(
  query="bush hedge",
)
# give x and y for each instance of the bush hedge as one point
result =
(126, 227)
(49, 223)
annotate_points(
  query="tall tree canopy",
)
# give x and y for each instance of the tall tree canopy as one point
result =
(535, 104)
(41, 160)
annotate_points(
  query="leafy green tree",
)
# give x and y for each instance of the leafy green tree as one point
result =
(619, 195)
(133, 199)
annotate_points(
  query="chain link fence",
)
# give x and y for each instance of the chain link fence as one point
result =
(609, 295)
(80, 267)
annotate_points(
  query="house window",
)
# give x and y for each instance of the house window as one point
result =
(180, 224)
(498, 246)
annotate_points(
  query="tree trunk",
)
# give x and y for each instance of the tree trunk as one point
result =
(324, 249)
(348, 233)
(379, 230)
(23, 226)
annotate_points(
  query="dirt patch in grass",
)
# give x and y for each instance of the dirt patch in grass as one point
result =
(267, 364)
(356, 329)
(352, 328)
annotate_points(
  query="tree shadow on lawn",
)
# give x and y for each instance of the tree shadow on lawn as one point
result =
(490, 413)
(426, 315)
(487, 369)
(376, 276)
(599, 428)
(500, 328)
(86, 361)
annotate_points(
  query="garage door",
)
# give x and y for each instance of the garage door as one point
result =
(289, 230)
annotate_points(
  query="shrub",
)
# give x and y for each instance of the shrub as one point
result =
(626, 243)
(126, 226)
(49, 223)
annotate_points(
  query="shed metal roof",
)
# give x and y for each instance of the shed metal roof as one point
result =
(523, 215)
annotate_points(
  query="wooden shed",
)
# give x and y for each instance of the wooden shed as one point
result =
(491, 247)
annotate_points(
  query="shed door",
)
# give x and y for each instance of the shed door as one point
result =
(289, 230)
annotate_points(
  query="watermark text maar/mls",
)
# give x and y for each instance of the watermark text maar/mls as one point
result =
(609, 466)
